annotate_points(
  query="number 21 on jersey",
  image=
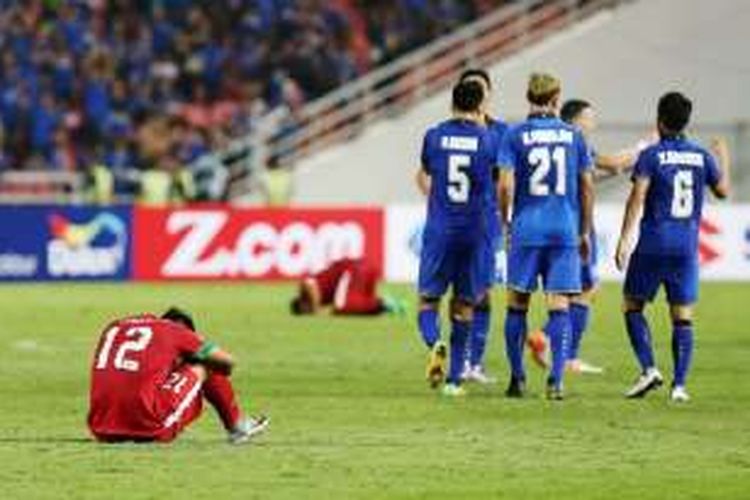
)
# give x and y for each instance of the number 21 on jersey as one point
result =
(542, 159)
(138, 339)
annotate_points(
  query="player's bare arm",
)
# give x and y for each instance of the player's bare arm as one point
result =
(505, 186)
(633, 210)
(586, 186)
(720, 149)
(423, 181)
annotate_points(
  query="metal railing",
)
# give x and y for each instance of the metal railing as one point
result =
(397, 86)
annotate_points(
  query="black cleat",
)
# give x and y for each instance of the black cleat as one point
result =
(516, 388)
(555, 392)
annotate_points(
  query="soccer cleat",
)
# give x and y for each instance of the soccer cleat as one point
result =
(453, 391)
(582, 367)
(478, 375)
(248, 428)
(679, 394)
(539, 348)
(516, 388)
(555, 392)
(648, 381)
(436, 364)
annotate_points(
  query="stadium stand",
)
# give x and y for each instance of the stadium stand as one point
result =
(115, 88)
(643, 59)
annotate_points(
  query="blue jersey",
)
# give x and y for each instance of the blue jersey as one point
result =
(547, 156)
(678, 171)
(459, 157)
(496, 129)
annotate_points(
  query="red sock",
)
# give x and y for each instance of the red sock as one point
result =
(217, 389)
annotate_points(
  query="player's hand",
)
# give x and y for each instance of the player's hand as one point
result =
(584, 245)
(621, 255)
(720, 146)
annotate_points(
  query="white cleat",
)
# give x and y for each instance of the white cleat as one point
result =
(478, 375)
(582, 367)
(453, 391)
(648, 381)
(679, 394)
(247, 428)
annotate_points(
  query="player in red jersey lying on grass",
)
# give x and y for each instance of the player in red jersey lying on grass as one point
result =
(150, 375)
(349, 287)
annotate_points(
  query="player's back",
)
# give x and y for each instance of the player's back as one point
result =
(547, 157)
(678, 171)
(458, 156)
(133, 359)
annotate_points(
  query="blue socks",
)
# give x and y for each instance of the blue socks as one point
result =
(429, 326)
(479, 330)
(640, 338)
(460, 332)
(558, 331)
(515, 337)
(682, 350)
(579, 321)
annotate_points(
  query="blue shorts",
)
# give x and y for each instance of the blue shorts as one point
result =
(460, 266)
(678, 274)
(589, 270)
(559, 268)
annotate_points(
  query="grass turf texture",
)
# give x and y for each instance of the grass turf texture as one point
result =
(353, 418)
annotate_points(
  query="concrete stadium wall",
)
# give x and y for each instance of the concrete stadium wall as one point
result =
(621, 60)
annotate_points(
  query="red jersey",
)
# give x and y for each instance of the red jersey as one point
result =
(327, 280)
(132, 365)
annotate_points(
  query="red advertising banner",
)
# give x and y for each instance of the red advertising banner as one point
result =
(229, 243)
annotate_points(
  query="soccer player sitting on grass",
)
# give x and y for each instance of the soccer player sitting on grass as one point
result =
(669, 180)
(149, 378)
(349, 287)
(457, 171)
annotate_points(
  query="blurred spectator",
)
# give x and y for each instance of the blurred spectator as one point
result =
(135, 85)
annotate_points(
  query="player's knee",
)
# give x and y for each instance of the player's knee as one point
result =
(426, 302)
(557, 302)
(681, 313)
(632, 305)
(461, 310)
(518, 300)
(200, 371)
(584, 298)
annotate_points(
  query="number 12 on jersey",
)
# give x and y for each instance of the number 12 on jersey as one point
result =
(139, 340)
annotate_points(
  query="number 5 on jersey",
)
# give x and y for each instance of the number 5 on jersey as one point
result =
(459, 184)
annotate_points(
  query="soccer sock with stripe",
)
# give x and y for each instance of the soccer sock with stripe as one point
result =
(682, 349)
(640, 338)
(579, 321)
(558, 330)
(460, 331)
(218, 390)
(515, 337)
(480, 327)
(429, 326)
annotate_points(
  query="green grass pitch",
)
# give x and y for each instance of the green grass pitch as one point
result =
(352, 416)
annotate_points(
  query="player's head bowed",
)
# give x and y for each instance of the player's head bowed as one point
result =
(179, 316)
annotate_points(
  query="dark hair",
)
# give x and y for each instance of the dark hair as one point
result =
(476, 73)
(300, 305)
(179, 316)
(467, 96)
(674, 112)
(572, 108)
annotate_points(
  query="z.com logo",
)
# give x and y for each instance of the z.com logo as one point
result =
(95, 248)
(707, 250)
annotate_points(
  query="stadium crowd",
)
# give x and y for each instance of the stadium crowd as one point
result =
(158, 84)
